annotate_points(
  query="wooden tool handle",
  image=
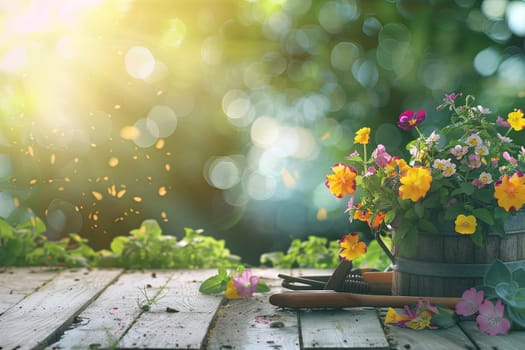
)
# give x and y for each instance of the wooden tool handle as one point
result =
(331, 299)
(379, 282)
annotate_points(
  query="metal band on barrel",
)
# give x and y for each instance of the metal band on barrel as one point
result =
(437, 269)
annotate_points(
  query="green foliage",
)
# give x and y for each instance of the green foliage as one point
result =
(72, 251)
(26, 244)
(317, 252)
(509, 286)
(145, 247)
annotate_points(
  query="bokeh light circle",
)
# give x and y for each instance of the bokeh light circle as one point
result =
(165, 119)
(139, 62)
(148, 133)
(222, 173)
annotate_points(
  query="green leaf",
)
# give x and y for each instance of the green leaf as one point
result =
(497, 273)
(477, 237)
(6, 230)
(445, 318)
(118, 244)
(419, 209)
(148, 228)
(467, 188)
(262, 287)
(511, 294)
(518, 276)
(214, 284)
(517, 315)
(484, 215)
(409, 243)
(427, 226)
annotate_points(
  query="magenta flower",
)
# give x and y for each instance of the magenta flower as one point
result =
(408, 120)
(452, 96)
(490, 319)
(380, 156)
(245, 283)
(470, 302)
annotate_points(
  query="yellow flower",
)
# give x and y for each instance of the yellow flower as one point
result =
(421, 321)
(362, 136)
(465, 224)
(393, 317)
(231, 291)
(342, 181)
(515, 119)
(415, 183)
(510, 191)
(351, 248)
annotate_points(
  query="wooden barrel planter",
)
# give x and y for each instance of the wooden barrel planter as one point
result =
(446, 264)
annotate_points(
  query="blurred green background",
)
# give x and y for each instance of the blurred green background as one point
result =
(227, 114)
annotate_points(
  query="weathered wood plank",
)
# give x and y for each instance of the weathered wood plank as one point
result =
(17, 283)
(104, 322)
(428, 339)
(180, 319)
(515, 340)
(352, 328)
(38, 318)
(254, 324)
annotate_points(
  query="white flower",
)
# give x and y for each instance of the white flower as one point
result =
(504, 139)
(474, 140)
(433, 138)
(482, 150)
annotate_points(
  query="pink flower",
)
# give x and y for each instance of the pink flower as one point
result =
(408, 120)
(245, 283)
(353, 154)
(490, 319)
(350, 205)
(459, 151)
(474, 161)
(380, 156)
(509, 158)
(470, 302)
(502, 122)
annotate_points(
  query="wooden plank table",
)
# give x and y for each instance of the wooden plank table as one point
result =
(99, 309)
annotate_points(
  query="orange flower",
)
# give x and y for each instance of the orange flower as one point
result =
(396, 165)
(510, 191)
(377, 220)
(351, 248)
(342, 181)
(361, 214)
